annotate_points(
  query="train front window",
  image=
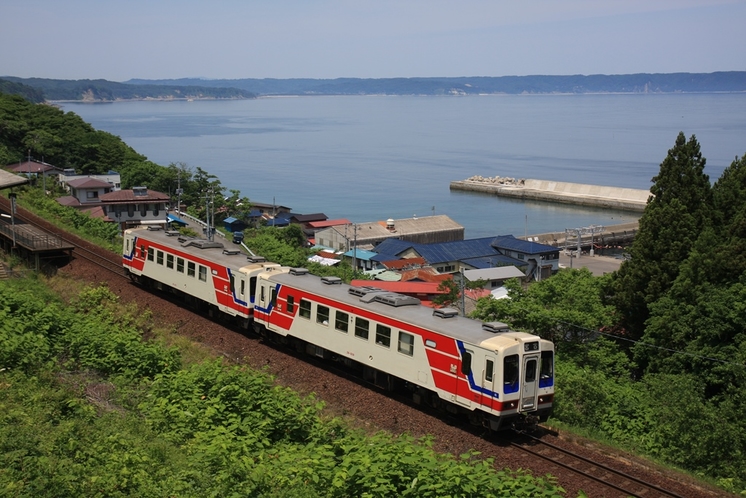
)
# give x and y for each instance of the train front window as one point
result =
(510, 374)
(531, 371)
(546, 371)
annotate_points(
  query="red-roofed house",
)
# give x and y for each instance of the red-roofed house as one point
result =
(136, 207)
(85, 191)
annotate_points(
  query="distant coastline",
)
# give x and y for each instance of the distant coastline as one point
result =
(249, 88)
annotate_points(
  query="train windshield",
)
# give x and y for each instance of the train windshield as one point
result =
(546, 374)
(510, 374)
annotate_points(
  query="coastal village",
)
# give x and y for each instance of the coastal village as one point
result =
(410, 256)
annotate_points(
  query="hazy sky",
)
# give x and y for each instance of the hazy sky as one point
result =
(118, 40)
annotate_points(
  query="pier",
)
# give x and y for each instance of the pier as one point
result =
(623, 199)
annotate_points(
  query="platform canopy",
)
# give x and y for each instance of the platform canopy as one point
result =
(8, 179)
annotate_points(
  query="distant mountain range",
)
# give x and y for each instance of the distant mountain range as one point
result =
(732, 81)
(198, 88)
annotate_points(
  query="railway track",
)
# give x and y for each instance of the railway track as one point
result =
(621, 482)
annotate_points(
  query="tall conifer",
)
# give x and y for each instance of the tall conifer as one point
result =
(676, 213)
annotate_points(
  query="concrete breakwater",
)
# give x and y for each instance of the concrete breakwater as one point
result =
(625, 199)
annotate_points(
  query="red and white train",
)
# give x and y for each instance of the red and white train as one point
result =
(496, 377)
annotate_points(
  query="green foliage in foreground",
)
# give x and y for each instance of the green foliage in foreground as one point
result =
(87, 408)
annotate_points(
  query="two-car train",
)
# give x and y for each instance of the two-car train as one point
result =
(495, 377)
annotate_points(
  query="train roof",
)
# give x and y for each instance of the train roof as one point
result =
(226, 254)
(445, 321)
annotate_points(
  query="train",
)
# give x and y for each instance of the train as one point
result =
(485, 373)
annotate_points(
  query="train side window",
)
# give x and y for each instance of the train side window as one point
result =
(180, 265)
(406, 343)
(322, 315)
(191, 269)
(466, 362)
(203, 273)
(159, 258)
(341, 321)
(510, 374)
(305, 308)
(383, 335)
(361, 328)
(291, 304)
(150, 254)
(233, 284)
(489, 370)
(170, 261)
(546, 371)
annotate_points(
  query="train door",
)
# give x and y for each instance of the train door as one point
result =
(464, 379)
(530, 383)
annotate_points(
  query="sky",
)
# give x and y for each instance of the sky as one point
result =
(157, 39)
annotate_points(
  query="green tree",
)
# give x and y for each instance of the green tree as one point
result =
(675, 215)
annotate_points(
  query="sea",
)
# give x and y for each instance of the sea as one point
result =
(371, 158)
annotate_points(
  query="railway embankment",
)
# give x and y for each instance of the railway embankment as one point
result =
(624, 199)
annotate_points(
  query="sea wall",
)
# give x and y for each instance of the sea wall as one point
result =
(625, 199)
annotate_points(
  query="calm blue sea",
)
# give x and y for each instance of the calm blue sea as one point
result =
(372, 158)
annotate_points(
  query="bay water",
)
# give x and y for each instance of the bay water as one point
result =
(370, 158)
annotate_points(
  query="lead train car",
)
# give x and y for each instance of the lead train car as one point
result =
(496, 377)
(208, 277)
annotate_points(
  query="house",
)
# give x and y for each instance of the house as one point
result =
(138, 206)
(85, 191)
(536, 260)
(494, 277)
(112, 178)
(34, 168)
(424, 230)
(232, 224)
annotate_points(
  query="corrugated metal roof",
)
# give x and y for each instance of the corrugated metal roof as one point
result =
(360, 254)
(32, 167)
(329, 223)
(499, 273)
(510, 243)
(8, 180)
(128, 196)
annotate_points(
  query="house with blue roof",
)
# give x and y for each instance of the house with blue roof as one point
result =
(535, 260)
